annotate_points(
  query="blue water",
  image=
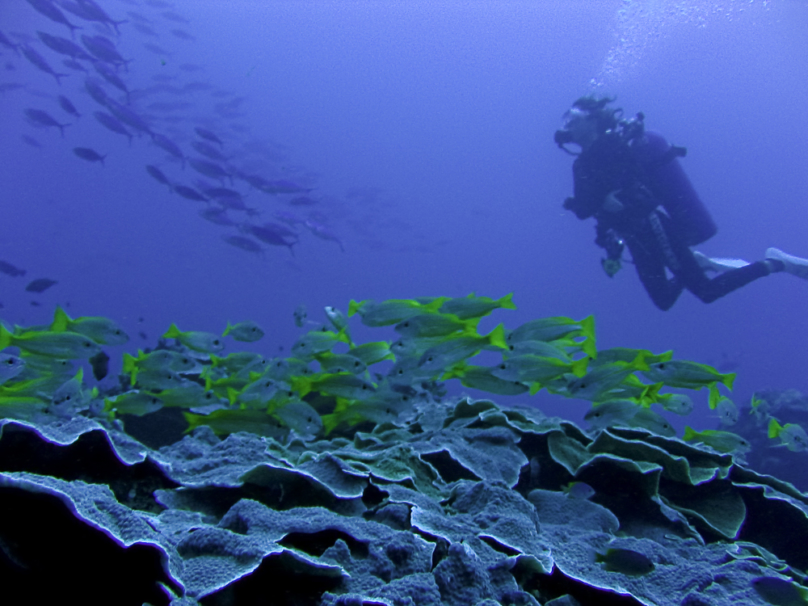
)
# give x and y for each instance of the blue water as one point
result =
(426, 132)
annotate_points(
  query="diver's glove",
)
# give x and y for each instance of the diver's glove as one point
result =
(612, 204)
(614, 245)
(611, 266)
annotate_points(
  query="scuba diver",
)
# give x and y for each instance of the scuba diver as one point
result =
(630, 180)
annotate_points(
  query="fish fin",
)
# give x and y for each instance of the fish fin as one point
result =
(5, 337)
(715, 396)
(330, 422)
(588, 346)
(355, 307)
(579, 367)
(506, 302)
(497, 337)
(60, 320)
(193, 420)
(173, 332)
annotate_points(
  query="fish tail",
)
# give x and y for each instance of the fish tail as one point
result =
(774, 428)
(330, 422)
(193, 420)
(173, 332)
(588, 327)
(729, 379)
(5, 337)
(506, 302)
(690, 434)
(302, 385)
(715, 396)
(579, 367)
(458, 371)
(130, 366)
(497, 337)
(651, 393)
(589, 347)
(343, 336)
(60, 320)
(354, 307)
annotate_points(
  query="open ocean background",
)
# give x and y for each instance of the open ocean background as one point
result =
(425, 130)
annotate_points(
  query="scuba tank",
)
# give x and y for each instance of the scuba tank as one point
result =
(670, 185)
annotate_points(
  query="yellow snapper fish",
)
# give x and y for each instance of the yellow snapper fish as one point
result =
(189, 395)
(722, 441)
(71, 391)
(627, 354)
(611, 413)
(392, 311)
(240, 360)
(687, 374)
(101, 330)
(677, 403)
(331, 362)
(455, 349)
(435, 325)
(256, 394)
(472, 306)
(372, 353)
(652, 421)
(341, 384)
(318, 341)
(383, 406)
(300, 417)
(529, 368)
(158, 379)
(196, 340)
(248, 332)
(559, 349)
(37, 365)
(132, 402)
(791, 435)
(21, 407)
(63, 345)
(726, 411)
(231, 420)
(160, 359)
(554, 328)
(482, 378)
(601, 380)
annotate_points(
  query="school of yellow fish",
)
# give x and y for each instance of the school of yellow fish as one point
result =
(330, 383)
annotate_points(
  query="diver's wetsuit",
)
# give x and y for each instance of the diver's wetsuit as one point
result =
(655, 240)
